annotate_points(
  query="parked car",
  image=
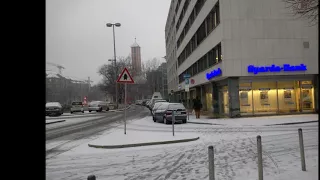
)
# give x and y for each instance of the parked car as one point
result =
(155, 101)
(164, 113)
(76, 106)
(144, 102)
(98, 106)
(155, 107)
(54, 108)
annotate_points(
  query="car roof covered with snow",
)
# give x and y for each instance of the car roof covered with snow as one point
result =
(53, 104)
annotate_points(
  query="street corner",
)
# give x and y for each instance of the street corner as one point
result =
(118, 139)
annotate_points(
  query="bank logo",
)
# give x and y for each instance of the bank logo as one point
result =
(274, 68)
(214, 73)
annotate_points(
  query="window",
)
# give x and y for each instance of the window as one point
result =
(195, 68)
(212, 56)
(217, 9)
(210, 22)
(201, 33)
(198, 6)
(219, 53)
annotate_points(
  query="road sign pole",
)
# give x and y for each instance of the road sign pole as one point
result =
(125, 108)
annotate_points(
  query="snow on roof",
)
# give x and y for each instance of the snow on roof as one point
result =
(51, 104)
(51, 75)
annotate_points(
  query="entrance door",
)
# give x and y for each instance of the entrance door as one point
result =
(307, 99)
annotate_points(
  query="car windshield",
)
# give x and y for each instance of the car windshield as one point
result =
(156, 105)
(76, 103)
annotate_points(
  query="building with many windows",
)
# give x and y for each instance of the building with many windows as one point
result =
(244, 57)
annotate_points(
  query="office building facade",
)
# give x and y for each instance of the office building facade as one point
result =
(244, 57)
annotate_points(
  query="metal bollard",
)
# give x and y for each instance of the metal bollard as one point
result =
(303, 160)
(173, 119)
(260, 168)
(91, 177)
(211, 162)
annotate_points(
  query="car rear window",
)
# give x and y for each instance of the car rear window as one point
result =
(76, 103)
(176, 106)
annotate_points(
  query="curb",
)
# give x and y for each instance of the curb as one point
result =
(55, 122)
(142, 144)
(202, 123)
(292, 123)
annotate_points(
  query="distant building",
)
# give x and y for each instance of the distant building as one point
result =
(65, 90)
(136, 58)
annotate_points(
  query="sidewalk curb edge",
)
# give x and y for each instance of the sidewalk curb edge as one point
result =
(142, 144)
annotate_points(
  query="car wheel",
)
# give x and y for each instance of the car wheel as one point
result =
(165, 120)
(82, 111)
(107, 109)
(184, 121)
(89, 111)
(71, 112)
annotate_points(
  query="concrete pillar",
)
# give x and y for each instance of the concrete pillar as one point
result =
(316, 90)
(233, 91)
(215, 99)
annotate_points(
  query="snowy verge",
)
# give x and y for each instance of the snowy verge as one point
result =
(256, 121)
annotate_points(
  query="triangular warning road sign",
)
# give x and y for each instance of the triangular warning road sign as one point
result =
(125, 77)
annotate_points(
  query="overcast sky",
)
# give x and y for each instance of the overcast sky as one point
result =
(77, 37)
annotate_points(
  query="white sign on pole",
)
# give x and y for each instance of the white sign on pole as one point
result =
(126, 78)
(186, 87)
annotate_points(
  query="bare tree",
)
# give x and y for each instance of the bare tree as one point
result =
(307, 9)
(152, 64)
(109, 78)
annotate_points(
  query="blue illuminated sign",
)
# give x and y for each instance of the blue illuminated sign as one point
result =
(214, 73)
(186, 76)
(274, 68)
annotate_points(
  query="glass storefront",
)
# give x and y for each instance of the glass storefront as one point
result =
(281, 97)
(288, 96)
(264, 97)
(245, 98)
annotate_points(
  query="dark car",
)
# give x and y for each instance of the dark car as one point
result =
(164, 113)
(155, 107)
(54, 108)
(144, 102)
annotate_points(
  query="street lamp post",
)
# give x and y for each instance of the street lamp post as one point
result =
(114, 53)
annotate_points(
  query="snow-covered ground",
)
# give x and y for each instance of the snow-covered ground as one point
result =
(70, 121)
(235, 152)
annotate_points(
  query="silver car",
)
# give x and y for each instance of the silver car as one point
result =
(76, 106)
(164, 113)
(53, 108)
(98, 106)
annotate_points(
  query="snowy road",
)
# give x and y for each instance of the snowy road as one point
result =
(235, 155)
(61, 137)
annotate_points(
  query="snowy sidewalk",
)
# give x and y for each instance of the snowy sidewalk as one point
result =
(256, 121)
(142, 133)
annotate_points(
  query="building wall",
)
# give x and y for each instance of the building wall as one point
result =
(253, 32)
(261, 32)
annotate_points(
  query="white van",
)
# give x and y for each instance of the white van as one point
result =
(155, 96)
